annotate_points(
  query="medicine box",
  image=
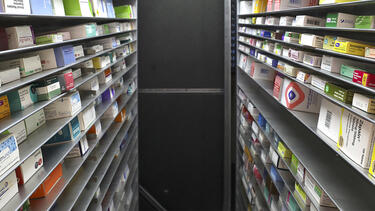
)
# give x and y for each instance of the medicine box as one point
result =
(41, 7)
(66, 80)
(105, 76)
(9, 152)
(22, 98)
(48, 88)
(58, 7)
(319, 82)
(76, 73)
(275, 158)
(298, 169)
(291, 70)
(259, 71)
(68, 133)
(278, 87)
(93, 49)
(110, 9)
(300, 193)
(78, 8)
(121, 117)
(364, 102)
(27, 66)
(340, 20)
(329, 42)
(292, 37)
(283, 150)
(318, 194)
(332, 64)
(81, 31)
(78, 51)
(329, 119)
(87, 117)
(334, 1)
(305, 20)
(370, 52)
(348, 71)
(4, 107)
(64, 55)
(296, 55)
(356, 138)
(35, 121)
(350, 47)
(79, 149)
(29, 167)
(286, 21)
(312, 40)
(91, 85)
(275, 175)
(9, 188)
(339, 93)
(65, 106)
(365, 22)
(10, 74)
(19, 36)
(284, 5)
(312, 59)
(112, 111)
(19, 132)
(65, 35)
(304, 77)
(364, 78)
(48, 38)
(101, 61)
(95, 130)
(126, 11)
(47, 185)
(300, 98)
(48, 59)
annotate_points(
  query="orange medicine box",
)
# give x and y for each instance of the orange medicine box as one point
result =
(121, 116)
(48, 183)
(4, 107)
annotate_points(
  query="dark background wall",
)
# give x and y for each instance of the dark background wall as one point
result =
(181, 81)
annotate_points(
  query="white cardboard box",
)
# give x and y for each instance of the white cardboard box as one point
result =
(91, 85)
(78, 51)
(300, 98)
(316, 191)
(30, 166)
(318, 82)
(275, 158)
(86, 117)
(332, 64)
(305, 20)
(10, 74)
(19, 131)
(357, 138)
(79, 149)
(329, 119)
(17, 6)
(286, 20)
(58, 7)
(296, 55)
(364, 102)
(9, 153)
(112, 111)
(304, 77)
(35, 121)
(48, 59)
(291, 70)
(9, 189)
(259, 71)
(19, 37)
(77, 73)
(65, 106)
(312, 40)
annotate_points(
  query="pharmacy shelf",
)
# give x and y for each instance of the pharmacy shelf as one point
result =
(8, 19)
(313, 29)
(349, 7)
(71, 166)
(52, 157)
(287, 176)
(336, 176)
(310, 120)
(29, 79)
(122, 205)
(96, 179)
(309, 48)
(363, 114)
(15, 118)
(108, 147)
(109, 194)
(255, 186)
(318, 70)
(18, 51)
(43, 134)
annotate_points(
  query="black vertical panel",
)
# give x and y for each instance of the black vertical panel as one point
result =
(181, 150)
(181, 44)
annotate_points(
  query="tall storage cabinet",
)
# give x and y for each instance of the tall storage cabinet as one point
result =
(73, 111)
(304, 140)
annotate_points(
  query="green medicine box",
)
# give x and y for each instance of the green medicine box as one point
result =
(365, 22)
(124, 11)
(48, 88)
(348, 71)
(340, 20)
(339, 93)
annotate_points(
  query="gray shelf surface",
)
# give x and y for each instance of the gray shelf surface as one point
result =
(43, 134)
(335, 177)
(52, 157)
(349, 7)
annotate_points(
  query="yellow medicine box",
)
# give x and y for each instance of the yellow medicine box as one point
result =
(284, 152)
(4, 107)
(350, 47)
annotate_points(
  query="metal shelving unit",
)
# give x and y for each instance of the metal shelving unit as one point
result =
(347, 184)
(75, 189)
